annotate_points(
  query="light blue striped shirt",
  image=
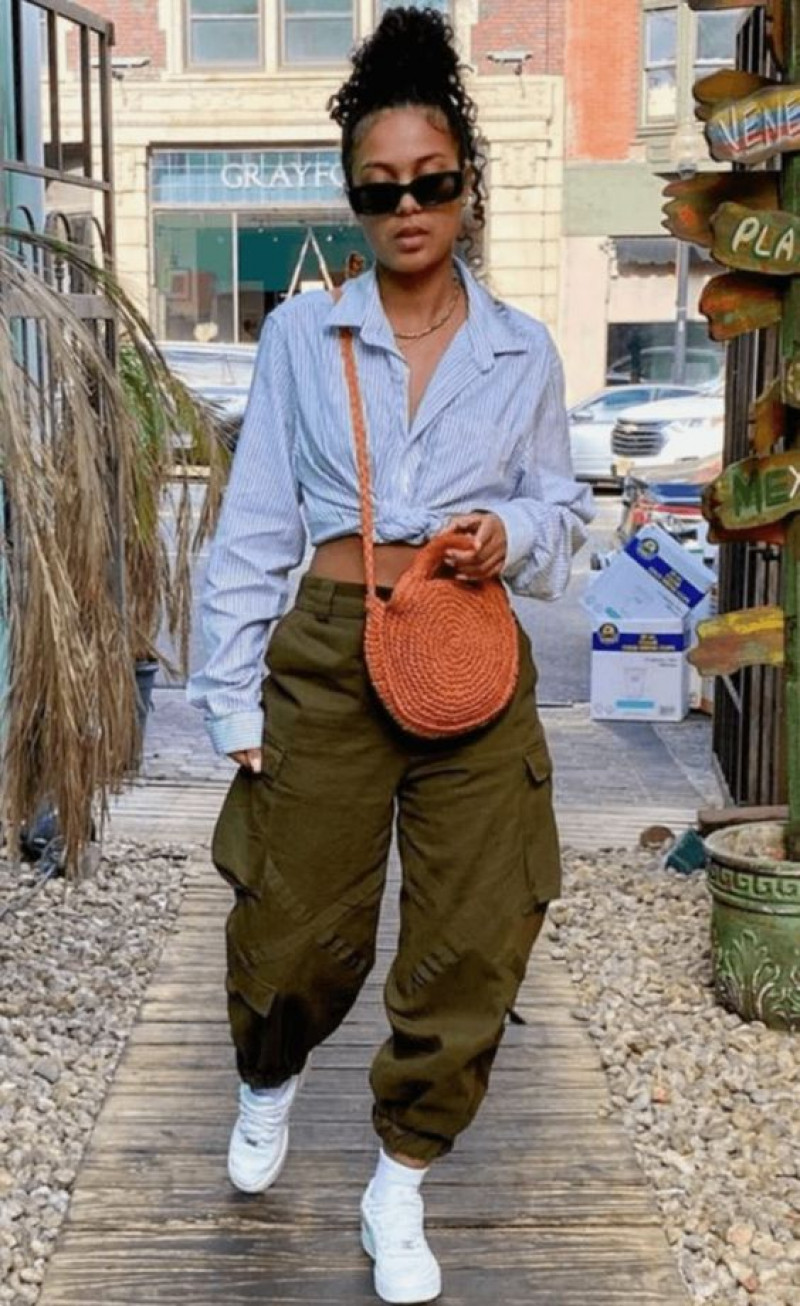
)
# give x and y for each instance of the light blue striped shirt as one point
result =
(490, 432)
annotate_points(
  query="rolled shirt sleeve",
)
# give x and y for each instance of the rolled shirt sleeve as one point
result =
(547, 520)
(259, 539)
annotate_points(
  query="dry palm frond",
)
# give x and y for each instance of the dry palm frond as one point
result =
(85, 456)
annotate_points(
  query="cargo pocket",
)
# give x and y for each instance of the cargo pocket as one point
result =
(240, 843)
(541, 853)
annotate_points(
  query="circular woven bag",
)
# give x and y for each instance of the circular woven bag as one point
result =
(442, 654)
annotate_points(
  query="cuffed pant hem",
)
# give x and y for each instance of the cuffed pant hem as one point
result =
(404, 1142)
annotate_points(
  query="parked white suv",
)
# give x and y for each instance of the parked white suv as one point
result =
(668, 431)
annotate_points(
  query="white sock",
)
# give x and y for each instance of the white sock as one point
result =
(389, 1173)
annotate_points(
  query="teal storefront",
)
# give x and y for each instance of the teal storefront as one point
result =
(235, 231)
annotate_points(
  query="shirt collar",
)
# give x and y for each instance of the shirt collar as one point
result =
(491, 329)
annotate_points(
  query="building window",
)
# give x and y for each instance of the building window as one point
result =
(716, 41)
(660, 65)
(317, 31)
(678, 47)
(224, 32)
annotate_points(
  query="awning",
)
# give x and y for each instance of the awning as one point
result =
(655, 251)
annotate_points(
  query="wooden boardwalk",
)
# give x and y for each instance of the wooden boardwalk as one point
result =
(542, 1204)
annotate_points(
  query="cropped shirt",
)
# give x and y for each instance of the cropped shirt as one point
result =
(490, 433)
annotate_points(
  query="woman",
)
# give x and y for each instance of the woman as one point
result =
(466, 424)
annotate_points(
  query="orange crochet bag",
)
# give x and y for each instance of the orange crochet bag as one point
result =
(442, 654)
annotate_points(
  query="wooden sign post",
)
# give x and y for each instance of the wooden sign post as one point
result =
(754, 492)
(693, 201)
(739, 639)
(757, 242)
(738, 302)
(756, 128)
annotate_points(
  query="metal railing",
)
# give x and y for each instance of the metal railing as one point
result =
(67, 162)
(748, 733)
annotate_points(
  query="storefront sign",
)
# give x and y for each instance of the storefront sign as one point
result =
(754, 492)
(757, 242)
(692, 202)
(738, 302)
(740, 639)
(241, 178)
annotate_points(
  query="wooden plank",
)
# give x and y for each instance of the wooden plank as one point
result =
(355, 1134)
(752, 638)
(757, 127)
(527, 1103)
(533, 1074)
(754, 492)
(621, 1264)
(738, 302)
(306, 1198)
(692, 201)
(766, 242)
(768, 419)
(608, 1160)
(717, 818)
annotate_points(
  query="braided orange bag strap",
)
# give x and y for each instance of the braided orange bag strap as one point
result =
(362, 459)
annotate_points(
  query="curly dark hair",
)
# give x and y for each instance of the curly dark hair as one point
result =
(410, 59)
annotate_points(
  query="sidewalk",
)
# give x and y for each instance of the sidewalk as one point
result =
(542, 1204)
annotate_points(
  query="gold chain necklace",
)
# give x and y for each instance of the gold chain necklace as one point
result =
(428, 331)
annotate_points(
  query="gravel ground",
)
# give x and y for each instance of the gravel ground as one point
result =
(75, 960)
(710, 1102)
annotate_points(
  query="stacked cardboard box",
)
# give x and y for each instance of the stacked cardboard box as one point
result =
(645, 607)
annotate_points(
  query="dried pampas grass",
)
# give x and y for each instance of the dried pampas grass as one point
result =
(87, 449)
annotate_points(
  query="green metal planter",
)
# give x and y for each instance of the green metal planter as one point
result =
(755, 924)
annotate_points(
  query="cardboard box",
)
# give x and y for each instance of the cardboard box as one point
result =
(639, 670)
(653, 575)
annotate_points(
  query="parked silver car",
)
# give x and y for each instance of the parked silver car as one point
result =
(668, 432)
(220, 375)
(592, 421)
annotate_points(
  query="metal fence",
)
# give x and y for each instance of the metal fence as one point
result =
(56, 179)
(748, 734)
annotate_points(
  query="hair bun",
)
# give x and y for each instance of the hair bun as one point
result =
(412, 48)
(410, 59)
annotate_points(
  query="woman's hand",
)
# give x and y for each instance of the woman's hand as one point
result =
(249, 758)
(485, 546)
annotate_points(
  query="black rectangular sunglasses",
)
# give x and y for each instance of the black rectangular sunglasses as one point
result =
(430, 189)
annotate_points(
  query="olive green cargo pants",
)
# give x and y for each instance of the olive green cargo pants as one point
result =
(305, 845)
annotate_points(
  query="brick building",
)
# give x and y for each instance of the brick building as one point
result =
(227, 169)
(629, 70)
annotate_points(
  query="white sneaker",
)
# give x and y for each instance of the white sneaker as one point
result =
(392, 1233)
(260, 1138)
